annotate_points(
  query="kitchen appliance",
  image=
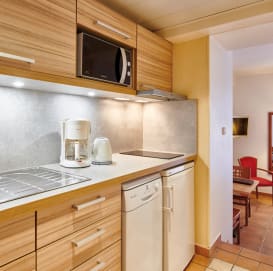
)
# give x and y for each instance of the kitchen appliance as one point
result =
(30, 181)
(142, 224)
(76, 149)
(152, 154)
(162, 95)
(103, 60)
(101, 151)
(178, 217)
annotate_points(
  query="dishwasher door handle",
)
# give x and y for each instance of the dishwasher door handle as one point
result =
(150, 196)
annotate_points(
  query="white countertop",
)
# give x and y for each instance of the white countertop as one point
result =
(123, 165)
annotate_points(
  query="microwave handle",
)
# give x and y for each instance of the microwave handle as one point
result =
(124, 66)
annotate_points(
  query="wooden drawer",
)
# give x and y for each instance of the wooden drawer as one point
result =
(95, 16)
(26, 263)
(17, 237)
(60, 217)
(154, 61)
(73, 250)
(108, 259)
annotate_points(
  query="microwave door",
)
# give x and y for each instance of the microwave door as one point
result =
(121, 66)
(124, 66)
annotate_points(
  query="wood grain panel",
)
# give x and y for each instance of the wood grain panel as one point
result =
(17, 237)
(109, 258)
(26, 263)
(58, 218)
(63, 255)
(91, 11)
(43, 30)
(154, 61)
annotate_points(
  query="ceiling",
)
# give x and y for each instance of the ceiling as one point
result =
(161, 14)
(180, 20)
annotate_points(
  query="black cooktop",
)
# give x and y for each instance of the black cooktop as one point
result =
(152, 154)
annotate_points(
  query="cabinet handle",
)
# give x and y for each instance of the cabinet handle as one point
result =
(113, 29)
(169, 189)
(88, 204)
(19, 58)
(89, 238)
(99, 266)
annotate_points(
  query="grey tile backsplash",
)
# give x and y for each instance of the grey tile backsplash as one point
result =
(170, 126)
(30, 125)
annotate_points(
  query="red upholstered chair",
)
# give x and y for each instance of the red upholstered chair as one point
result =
(251, 162)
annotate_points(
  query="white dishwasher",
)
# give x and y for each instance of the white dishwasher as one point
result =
(178, 225)
(142, 224)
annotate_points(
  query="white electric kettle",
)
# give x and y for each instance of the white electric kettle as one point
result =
(101, 151)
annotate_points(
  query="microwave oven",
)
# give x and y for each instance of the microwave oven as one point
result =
(103, 60)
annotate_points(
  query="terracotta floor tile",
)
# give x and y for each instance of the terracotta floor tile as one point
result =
(229, 247)
(225, 256)
(265, 267)
(201, 260)
(251, 254)
(195, 267)
(247, 263)
(267, 259)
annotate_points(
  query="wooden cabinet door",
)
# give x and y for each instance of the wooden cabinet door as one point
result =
(93, 15)
(154, 61)
(26, 263)
(75, 249)
(42, 33)
(17, 238)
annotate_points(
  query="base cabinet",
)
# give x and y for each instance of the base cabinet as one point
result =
(73, 250)
(17, 238)
(26, 263)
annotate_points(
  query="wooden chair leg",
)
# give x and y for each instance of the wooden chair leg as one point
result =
(272, 194)
(249, 208)
(257, 194)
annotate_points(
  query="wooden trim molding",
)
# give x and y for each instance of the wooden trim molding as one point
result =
(207, 252)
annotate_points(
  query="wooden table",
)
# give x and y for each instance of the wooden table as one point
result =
(241, 196)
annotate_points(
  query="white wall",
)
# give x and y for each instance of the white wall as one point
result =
(220, 142)
(253, 96)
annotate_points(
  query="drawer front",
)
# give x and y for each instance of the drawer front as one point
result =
(17, 238)
(26, 263)
(108, 259)
(73, 211)
(73, 250)
(95, 16)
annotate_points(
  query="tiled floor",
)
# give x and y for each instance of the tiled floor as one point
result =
(255, 252)
(232, 258)
(258, 235)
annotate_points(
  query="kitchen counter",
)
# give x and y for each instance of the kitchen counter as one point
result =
(123, 169)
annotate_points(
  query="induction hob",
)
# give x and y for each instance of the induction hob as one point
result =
(152, 154)
(30, 181)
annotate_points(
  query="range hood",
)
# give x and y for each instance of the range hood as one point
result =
(162, 95)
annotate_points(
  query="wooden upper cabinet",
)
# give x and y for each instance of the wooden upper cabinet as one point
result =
(93, 15)
(42, 33)
(154, 61)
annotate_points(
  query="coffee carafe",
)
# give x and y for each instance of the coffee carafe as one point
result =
(76, 148)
